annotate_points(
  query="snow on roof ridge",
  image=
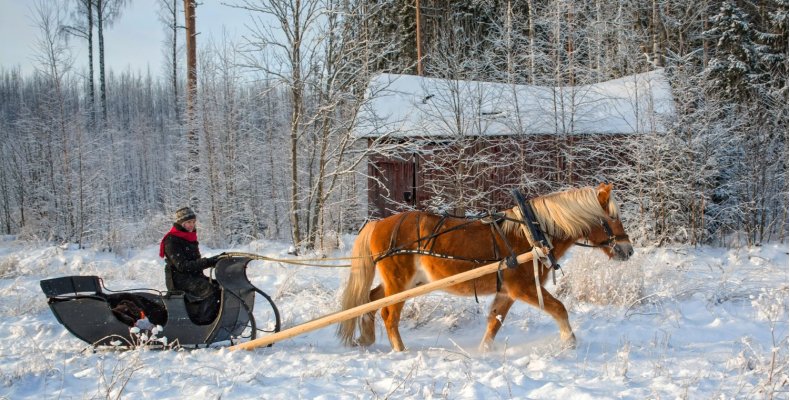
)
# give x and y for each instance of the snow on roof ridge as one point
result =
(407, 105)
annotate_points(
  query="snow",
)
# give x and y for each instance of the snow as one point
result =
(407, 105)
(675, 322)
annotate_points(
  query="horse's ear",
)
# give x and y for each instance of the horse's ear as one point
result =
(604, 191)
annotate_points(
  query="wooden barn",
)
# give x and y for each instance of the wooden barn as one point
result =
(461, 146)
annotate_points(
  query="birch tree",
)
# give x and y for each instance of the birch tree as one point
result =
(83, 17)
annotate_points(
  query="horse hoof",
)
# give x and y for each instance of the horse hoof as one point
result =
(485, 346)
(569, 342)
(398, 347)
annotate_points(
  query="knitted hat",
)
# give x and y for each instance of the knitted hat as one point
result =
(184, 214)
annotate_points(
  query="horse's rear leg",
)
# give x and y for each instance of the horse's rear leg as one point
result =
(367, 327)
(496, 317)
(554, 307)
(391, 317)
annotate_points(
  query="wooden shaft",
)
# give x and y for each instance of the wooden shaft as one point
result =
(375, 305)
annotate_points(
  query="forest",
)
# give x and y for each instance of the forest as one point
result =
(262, 143)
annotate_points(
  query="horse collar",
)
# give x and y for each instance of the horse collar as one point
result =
(529, 219)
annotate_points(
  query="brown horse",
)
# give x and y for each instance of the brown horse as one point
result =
(414, 248)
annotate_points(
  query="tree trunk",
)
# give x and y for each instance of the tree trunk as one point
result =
(174, 54)
(100, 7)
(192, 138)
(530, 12)
(4, 194)
(705, 44)
(657, 49)
(419, 38)
(318, 210)
(296, 94)
(272, 171)
(296, 116)
(91, 88)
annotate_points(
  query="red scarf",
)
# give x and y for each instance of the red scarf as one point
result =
(188, 236)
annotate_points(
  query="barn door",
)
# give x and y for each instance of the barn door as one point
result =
(391, 188)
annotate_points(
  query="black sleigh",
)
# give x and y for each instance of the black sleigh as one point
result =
(89, 310)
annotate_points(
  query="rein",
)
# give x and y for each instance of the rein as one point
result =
(490, 218)
(308, 262)
(312, 262)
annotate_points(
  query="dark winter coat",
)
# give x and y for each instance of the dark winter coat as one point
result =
(184, 271)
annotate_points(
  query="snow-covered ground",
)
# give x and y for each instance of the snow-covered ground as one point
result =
(696, 323)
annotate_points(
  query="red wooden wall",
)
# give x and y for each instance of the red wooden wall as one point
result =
(479, 173)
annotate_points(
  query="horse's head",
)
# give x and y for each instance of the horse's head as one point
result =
(610, 235)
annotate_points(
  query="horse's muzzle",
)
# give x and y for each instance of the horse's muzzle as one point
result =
(623, 251)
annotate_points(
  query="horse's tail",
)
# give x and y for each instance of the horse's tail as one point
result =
(357, 291)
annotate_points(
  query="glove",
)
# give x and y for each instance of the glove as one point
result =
(211, 262)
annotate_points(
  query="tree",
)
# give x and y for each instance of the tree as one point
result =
(738, 76)
(192, 135)
(107, 11)
(295, 19)
(169, 17)
(732, 67)
(55, 122)
(274, 123)
(83, 18)
(322, 55)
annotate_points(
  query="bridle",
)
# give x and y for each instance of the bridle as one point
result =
(611, 239)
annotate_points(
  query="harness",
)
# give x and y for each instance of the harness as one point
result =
(530, 225)
(425, 244)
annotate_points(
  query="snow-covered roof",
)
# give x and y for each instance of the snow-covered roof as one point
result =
(407, 105)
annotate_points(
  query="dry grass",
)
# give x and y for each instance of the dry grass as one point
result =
(602, 282)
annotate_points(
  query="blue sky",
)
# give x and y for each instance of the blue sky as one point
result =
(135, 41)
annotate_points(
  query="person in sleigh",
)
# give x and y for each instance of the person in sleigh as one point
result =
(184, 268)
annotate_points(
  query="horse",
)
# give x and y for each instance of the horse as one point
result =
(413, 248)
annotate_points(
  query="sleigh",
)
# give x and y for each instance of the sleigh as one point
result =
(90, 311)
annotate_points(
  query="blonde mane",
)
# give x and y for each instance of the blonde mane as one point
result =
(568, 214)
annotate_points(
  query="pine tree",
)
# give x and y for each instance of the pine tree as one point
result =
(732, 68)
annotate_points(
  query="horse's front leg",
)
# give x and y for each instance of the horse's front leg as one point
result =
(554, 307)
(496, 317)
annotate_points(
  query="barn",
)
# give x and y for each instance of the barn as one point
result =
(460, 146)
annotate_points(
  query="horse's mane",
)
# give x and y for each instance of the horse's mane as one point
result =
(567, 214)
